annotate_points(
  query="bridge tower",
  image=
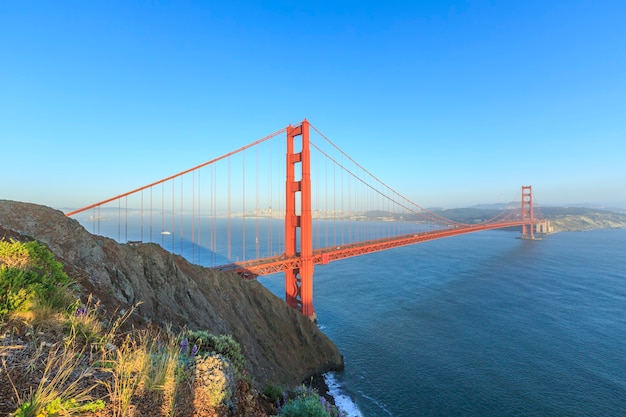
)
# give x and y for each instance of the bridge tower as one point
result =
(528, 229)
(299, 221)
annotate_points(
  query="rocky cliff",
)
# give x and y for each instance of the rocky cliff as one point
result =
(281, 346)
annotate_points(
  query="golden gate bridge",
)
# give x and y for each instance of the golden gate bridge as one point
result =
(254, 213)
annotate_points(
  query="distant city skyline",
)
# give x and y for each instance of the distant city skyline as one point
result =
(451, 103)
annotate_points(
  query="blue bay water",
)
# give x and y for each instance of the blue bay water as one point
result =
(475, 325)
(481, 325)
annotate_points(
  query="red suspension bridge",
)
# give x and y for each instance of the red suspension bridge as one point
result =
(238, 213)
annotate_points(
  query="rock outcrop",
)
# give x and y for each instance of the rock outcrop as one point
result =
(281, 346)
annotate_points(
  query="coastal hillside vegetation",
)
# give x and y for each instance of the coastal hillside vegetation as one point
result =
(65, 356)
(77, 341)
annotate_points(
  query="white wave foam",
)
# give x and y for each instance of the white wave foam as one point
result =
(342, 400)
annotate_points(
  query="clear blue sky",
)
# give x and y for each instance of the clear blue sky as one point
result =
(452, 103)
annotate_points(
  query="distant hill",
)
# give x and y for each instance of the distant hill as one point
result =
(562, 218)
(581, 218)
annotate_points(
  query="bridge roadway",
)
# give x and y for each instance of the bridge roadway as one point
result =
(271, 265)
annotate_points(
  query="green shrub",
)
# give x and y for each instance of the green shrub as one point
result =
(17, 289)
(30, 273)
(222, 344)
(308, 406)
(273, 393)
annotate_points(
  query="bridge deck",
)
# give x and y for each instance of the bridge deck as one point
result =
(272, 265)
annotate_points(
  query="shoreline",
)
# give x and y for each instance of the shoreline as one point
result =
(327, 387)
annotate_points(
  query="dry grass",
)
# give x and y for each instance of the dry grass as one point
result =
(128, 365)
(162, 374)
(61, 384)
(65, 369)
(116, 373)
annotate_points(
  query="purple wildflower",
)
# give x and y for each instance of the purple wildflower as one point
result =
(194, 350)
(325, 404)
(81, 312)
(184, 344)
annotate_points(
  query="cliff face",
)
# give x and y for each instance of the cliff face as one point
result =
(281, 346)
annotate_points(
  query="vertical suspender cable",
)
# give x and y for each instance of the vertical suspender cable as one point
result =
(364, 206)
(151, 214)
(279, 240)
(385, 208)
(141, 238)
(119, 220)
(317, 200)
(199, 217)
(173, 214)
(361, 224)
(126, 226)
(369, 230)
(193, 216)
(181, 215)
(228, 215)
(243, 205)
(212, 215)
(371, 196)
(256, 209)
(368, 204)
(271, 203)
(390, 214)
(349, 208)
(326, 198)
(360, 227)
(94, 214)
(374, 227)
(368, 200)
(360, 207)
(343, 213)
(214, 230)
(334, 206)
(162, 213)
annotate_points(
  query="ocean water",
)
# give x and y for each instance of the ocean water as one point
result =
(483, 324)
(480, 325)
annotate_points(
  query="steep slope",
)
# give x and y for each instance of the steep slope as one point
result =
(281, 346)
